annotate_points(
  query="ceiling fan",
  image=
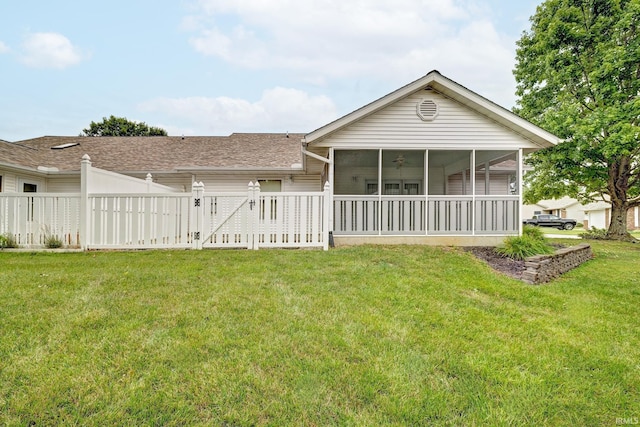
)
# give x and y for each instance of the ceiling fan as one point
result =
(399, 161)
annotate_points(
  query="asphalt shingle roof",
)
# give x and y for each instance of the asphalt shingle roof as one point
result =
(162, 153)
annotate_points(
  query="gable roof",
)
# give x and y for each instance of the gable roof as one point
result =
(453, 90)
(562, 203)
(248, 151)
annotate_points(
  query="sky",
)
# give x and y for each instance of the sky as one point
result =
(214, 67)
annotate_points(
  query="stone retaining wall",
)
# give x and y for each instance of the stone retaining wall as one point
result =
(543, 268)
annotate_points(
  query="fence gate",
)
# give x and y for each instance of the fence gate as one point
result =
(253, 219)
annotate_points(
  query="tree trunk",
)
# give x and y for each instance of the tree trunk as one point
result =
(618, 185)
(618, 227)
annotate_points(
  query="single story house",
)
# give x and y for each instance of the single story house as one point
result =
(598, 215)
(432, 162)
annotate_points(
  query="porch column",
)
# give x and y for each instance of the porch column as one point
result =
(332, 185)
(327, 214)
(85, 207)
(520, 164)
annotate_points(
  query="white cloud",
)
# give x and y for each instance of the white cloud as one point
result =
(290, 109)
(394, 40)
(4, 48)
(49, 50)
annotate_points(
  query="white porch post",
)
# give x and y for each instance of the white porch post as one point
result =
(327, 215)
(472, 176)
(197, 203)
(85, 208)
(520, 187)
(332, 185)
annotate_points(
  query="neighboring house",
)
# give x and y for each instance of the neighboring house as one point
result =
(565, 207)
(432, 162)
(596, 214)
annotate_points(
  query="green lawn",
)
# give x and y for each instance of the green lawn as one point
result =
(354, 336)
(577, 231)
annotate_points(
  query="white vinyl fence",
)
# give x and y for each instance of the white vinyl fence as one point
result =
(169, 220)
(32, 218)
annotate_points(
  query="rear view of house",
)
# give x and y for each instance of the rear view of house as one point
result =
(432, 162)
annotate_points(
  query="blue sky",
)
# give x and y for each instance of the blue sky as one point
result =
(213, 67)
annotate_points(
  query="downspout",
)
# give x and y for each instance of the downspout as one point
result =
(329, 162)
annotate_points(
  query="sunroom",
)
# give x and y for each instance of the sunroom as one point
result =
(426, 192)
(432, 162)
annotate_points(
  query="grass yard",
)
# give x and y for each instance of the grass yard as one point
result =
(578, 231)
(353, 336)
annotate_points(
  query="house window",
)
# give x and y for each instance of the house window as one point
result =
(29, 188)
(402, 172)
(392, 187)
(372, 187)
(270, 185)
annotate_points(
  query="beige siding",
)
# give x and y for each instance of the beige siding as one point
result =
(239, 183)
(8, 182)
(63, 185)
(12, 182)
(455, 127)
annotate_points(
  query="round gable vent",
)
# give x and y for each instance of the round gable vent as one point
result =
(427, 110)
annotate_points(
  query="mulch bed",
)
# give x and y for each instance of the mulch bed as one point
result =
(504, 265)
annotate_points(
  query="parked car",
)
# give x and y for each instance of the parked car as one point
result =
(546, 220)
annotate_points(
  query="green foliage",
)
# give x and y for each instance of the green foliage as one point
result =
(532, 242)
(120, 126)
(8, 240)
(577, 76)
(594, 234)
(533, 232)
(53, 242)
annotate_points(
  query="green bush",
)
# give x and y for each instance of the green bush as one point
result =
(532, 242)
(533, 232)
(595, 234)
(8, 240)
(52, 242)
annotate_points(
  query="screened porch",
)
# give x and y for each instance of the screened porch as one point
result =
(426, 192)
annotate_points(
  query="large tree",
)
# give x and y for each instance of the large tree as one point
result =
(120, 126)
(578, 76)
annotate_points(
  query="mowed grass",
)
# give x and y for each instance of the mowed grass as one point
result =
(355, 336)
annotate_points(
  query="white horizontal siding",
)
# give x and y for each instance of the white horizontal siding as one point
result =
(8, 182)
(455, 127)
(240, 183)
(63, 185)
(304, 183)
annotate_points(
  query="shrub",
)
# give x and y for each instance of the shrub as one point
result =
(595, 234)
(533, 232)
(532, 242)
(8, 240)
(52, 242)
